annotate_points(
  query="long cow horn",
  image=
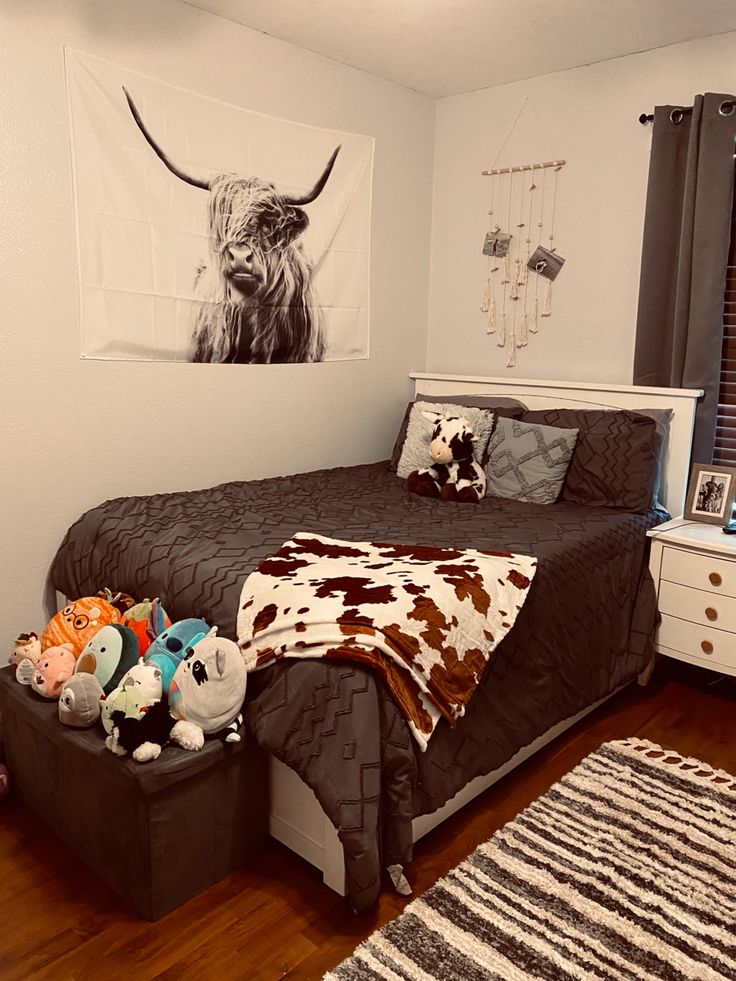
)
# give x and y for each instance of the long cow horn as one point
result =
(319, 186)
(205, 185)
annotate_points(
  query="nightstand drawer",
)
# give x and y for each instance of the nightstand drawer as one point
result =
(690, 638)
(702, 571)
(708, 607)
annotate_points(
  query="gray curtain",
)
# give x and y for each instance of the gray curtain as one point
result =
(687, 226)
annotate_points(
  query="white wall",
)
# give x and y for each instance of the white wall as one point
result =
(588, 116)
(77, 432)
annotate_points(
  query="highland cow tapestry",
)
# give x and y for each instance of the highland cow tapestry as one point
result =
(207, 232)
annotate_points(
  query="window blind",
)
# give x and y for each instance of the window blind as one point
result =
(725, 447)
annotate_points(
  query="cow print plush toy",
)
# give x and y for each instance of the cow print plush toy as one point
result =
(454, 474)
(144, 736)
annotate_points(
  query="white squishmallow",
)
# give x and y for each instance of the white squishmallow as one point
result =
(209, 686)
(139, 688)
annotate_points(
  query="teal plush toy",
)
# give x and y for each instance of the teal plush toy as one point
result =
(173, 645)
(108, 655)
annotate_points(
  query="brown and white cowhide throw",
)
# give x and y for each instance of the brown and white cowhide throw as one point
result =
(426, 619)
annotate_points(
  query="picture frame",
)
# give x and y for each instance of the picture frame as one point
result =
(497, 243)
(545, 263)
(711, 493)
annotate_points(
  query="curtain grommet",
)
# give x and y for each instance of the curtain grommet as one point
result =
(727, 108)
(677, 116)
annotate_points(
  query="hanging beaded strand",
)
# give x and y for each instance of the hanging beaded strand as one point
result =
(547, 309)
(505, 276)
(511, 340)
(485, 295)
(517, 279)
(493, 260)
(534, 316)
(524, 268)
(514, 295)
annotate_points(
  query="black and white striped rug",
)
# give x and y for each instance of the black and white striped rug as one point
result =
(625, 869)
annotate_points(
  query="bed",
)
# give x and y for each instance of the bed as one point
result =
(341, 754)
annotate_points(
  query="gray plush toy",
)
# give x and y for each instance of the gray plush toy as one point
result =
(209, 687)
(79, 702)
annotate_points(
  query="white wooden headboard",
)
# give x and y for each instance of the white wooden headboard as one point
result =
(541, 394)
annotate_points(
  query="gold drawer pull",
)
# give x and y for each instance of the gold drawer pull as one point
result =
(715, 579)
(711, 613)
(706, 646)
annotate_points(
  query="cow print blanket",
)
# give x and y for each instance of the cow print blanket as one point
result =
(425, 618)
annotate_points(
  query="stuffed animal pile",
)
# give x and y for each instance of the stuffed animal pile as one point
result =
(107, 659)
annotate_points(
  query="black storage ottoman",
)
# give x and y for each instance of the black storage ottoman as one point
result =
(158, 832)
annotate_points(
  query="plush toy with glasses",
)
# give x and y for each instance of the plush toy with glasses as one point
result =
(454, 474)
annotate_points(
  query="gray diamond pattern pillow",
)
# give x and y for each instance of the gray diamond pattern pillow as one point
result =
(415, 453)
(528, 462)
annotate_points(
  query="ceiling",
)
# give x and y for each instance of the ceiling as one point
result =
(443, 47)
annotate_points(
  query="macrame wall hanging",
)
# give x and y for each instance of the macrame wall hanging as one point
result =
(522, 253)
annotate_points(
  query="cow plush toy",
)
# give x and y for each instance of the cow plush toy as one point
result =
(139, 689)
(454, 474)
(144, 736)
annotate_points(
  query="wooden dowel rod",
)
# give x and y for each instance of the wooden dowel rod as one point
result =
(513, 170)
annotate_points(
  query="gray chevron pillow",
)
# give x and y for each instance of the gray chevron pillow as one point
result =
(528, 462)
(617, 455)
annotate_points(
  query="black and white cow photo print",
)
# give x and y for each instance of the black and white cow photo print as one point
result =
(211, 233)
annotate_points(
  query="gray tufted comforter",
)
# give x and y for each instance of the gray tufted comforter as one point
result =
(583, 631)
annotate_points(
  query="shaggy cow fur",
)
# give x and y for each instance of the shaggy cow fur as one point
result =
(258, 306)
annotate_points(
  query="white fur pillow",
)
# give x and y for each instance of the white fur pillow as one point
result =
(415, 453)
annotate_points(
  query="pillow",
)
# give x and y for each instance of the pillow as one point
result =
(528, 462)
(499, 405)
(662, 419)
(415, 452)
(615, 460)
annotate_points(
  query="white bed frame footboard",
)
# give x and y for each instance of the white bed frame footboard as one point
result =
(296, 819)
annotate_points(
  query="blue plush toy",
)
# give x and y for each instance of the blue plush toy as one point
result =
(171, 647)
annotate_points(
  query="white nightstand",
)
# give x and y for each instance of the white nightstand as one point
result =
(694, 569)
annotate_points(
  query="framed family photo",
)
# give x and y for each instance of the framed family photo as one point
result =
(711, 493)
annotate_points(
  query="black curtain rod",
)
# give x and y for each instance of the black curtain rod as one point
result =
(725, 108)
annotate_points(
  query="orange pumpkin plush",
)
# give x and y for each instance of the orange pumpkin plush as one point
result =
(79, 622)
(121, 601)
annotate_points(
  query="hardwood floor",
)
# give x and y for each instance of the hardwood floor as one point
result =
(276, 919)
